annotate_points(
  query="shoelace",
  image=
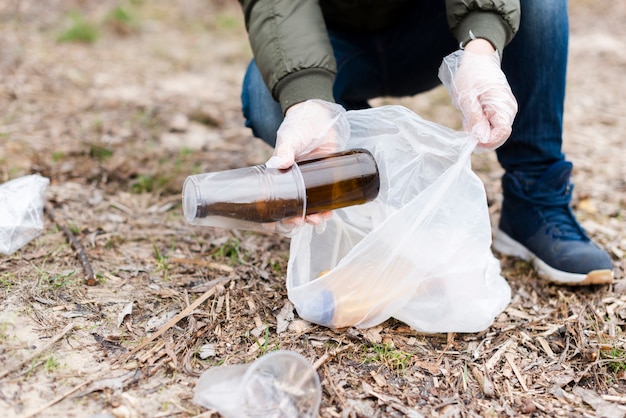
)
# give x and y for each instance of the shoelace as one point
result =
(562, 224)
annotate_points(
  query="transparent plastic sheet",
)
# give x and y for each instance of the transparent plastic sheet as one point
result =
(21, 211)
(420, 252)
(281, 384)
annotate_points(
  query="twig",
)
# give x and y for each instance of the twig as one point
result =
(57, 399)
(518, 374)
(202, 263)
(449, 343)
(327, 356)
(94, 380)
(388, 400)
(334, 387)
(614, 398)
(76, 245)
(206, 414)
(188, 310)
(498, 354)
(38, 351)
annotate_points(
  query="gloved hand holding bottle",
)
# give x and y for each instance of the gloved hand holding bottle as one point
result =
(310, 129)
(480, 90)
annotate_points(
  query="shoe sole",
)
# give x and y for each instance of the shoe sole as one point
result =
(506, 245)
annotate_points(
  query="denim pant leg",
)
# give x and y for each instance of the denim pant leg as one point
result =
(535, 64)
(262, 113)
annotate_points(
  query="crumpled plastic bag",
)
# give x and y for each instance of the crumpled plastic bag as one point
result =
(420, 252)
(21, 211)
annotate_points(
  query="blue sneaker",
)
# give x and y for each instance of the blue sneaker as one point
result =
(538, 225)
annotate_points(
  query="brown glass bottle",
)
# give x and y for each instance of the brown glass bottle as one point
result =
(260, 195)
(340, 180)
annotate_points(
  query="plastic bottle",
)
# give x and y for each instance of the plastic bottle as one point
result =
(252, 197)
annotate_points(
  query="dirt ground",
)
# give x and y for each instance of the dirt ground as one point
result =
(118, 101)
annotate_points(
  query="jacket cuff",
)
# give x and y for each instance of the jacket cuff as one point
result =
(485, 25)
(313, 83)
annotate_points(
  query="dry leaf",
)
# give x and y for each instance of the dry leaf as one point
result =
(157, 322)
(603, 408)
(127, 311)
(284, 317)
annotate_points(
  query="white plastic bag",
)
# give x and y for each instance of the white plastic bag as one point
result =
(420, 252)
(21, 211)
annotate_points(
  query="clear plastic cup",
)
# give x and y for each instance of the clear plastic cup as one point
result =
(260, 198)
(281, 384)
(244, 198)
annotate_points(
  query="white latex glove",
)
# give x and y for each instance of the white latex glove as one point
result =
(312, 128)
(480, 90)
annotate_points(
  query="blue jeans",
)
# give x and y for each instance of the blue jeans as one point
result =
(404, 60)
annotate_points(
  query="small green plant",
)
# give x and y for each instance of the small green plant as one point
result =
(230, 250)
(47, 279)
(162, 261)
(51, 364)
(34, 363)
(99, 152)
(122, 20)
(101, 278)
(264, 348)
(120, 15)
(6, 280)
(42, 273)
(61, 279)
(184, 151)
(4, 331)
(387, 355)
(277, 267)
(57, 156)
(147, 184)
(615, 358)
(142, 184)
(79, 31)
(74, 229)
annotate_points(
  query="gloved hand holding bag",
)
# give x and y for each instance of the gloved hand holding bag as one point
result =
(480, 90)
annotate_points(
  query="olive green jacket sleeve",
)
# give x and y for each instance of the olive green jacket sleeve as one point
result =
(494, 20)
(291, 47)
